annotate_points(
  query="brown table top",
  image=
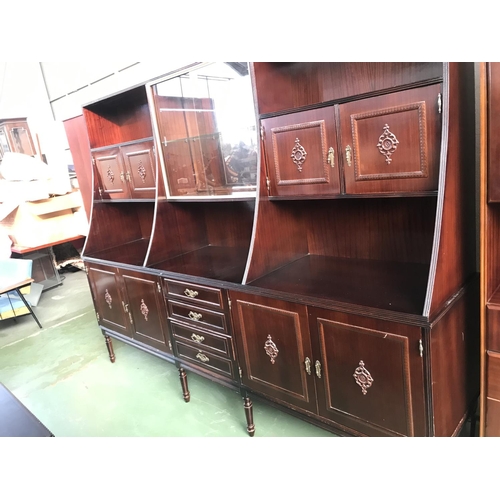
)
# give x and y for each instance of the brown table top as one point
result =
(7, 287)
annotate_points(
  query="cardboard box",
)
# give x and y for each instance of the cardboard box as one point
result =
(31, 224)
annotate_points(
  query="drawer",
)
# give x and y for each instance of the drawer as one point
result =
(493, 328)
(219, 344)
(206, 359)
(197, 315)
(203, 295)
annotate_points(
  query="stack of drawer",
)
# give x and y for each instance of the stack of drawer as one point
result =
(200, 327)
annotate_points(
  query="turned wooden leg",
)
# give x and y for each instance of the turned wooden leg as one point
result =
(247, 404)
(184, 385)
(109, 345)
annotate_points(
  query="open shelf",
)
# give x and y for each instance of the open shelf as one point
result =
(391, 286)
(213, 262)
(133, 253)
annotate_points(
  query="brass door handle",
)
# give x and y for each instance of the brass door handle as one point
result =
(348, 155)
(128, 176)
(190, 293)
(202, 357)
(122, 176)
(331, 157)
(197, 338)
(307, 362)
(317, 365)
(195, 316)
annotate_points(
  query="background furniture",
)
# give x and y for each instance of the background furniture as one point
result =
(345, 289)
(14, 276)
(15, 137)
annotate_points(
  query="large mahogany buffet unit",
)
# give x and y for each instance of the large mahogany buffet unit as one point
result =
(325, 264)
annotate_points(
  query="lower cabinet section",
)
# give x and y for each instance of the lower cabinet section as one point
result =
(355, 374)
(353, 371)
(130, 303)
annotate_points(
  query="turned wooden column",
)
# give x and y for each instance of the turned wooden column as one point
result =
(247, 404)
(109, 345)
(184, 385)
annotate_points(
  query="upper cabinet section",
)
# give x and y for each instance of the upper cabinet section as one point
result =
(121, 141)
(349, 129)
(390, 143)
(205, 120)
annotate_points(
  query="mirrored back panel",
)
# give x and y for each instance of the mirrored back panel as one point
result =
(206, 128)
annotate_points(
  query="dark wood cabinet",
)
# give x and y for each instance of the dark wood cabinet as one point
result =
(369, 377)
(274, 348)
(300, 151)
(109, 299)
(130, 303)
(343, 287)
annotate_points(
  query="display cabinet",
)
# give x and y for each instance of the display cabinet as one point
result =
(15, 137)
(327, 266)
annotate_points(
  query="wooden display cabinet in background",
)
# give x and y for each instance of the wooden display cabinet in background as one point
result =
(15, 137)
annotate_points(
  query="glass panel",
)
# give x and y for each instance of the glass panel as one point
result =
(4, 145)
(21, 140)
(206, 125)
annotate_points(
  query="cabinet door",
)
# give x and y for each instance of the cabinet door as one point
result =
(146, 306)
(273, 343)
(391, 143)
(301, 154)
(369, 375)
(110, 171)
(105, 284)
(140, 169)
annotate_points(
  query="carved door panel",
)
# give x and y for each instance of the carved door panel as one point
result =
(111, 173)
(493, 117)
(391, 143)
(301, 153)
(106, 290)
(146, 309)
(140, 169)
(366, 375)
(273, 348)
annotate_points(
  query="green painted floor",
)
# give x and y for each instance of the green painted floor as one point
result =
(63, 375)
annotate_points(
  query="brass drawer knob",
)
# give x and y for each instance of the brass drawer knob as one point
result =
(190, 293)
(195, 316)
(202, 357)
(197, 338)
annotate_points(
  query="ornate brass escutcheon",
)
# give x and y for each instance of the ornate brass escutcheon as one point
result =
(363, 377)
(387, 144)
(144, 309)
(108, 299)
(271, 349)
(298, 155)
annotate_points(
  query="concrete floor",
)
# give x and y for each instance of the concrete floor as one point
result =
(63, 375)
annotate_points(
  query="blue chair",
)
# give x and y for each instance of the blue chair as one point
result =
(15, 274)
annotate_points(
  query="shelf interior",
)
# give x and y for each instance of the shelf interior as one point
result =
(391, 286)
(213, 262)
